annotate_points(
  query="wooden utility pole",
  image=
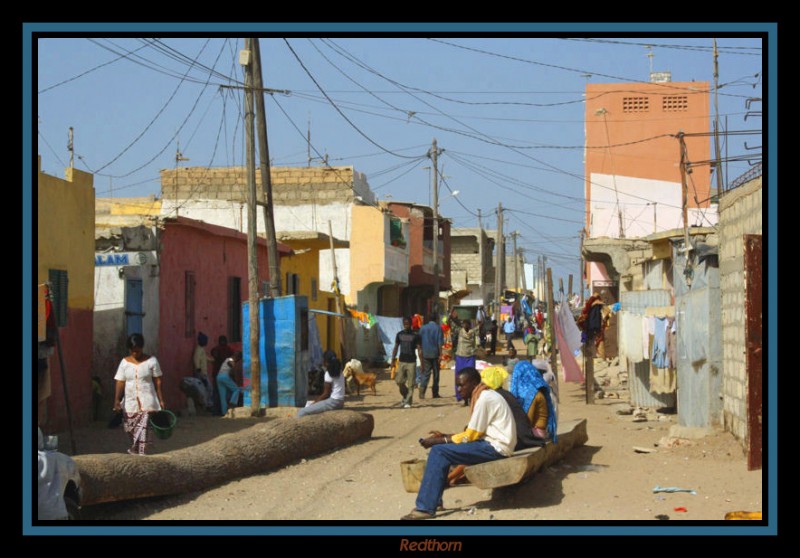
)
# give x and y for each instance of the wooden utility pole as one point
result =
(685, 206)
(583, 266)
(551, 321)
(336, 294)
(246, 59)
(266, 179)
(522, 265)
(569, 290)
(514, 236)
(434, 154)
(71, 148)
(718, 162)
(498, 276)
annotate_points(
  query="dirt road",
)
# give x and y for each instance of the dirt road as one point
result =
(603, 480)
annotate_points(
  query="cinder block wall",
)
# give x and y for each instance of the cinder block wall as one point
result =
(740, 214)
(290, 185)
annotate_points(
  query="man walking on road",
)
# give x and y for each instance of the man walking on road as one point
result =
(409, 344)
(490, 435)
(432, 341)
(508, 329)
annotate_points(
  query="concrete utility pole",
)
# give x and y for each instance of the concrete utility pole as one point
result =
(434, 154)
(246, 59)
(522, 265)
(480, 221)
(498, 277)
(266, 179)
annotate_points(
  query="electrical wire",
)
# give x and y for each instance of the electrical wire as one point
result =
(576, 70)
(51, 149)
(698, 48)
(356, 128)
(150, 124)
(89, 71)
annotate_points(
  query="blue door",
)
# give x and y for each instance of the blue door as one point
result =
(133, 306)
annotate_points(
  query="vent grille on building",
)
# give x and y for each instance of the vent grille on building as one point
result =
(635, 104)
(675, 103)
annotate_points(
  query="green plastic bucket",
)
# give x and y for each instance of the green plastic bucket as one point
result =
(163, 422)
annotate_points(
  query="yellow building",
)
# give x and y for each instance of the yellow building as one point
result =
(66, 261)
(379, 252)
(300, 276)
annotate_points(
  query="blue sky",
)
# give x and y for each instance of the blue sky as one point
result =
(507, 111)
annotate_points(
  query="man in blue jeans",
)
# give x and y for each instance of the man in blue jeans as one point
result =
(432, 341)
(509, 329)
(490, 435)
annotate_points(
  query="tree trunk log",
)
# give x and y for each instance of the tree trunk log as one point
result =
(260, 448)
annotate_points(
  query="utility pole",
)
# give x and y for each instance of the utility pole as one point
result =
(266, 180)
(499, 246)
(685, 205)
(480, 221)
(434, 154)
(551, 321)
(246, 59)
(336, 291)
(569, 290)
(522, 265)
(514, 236)
(71, 148)
(583, 265)
(718, 164)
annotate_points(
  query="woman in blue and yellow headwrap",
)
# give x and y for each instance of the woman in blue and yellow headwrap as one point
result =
(533, 393)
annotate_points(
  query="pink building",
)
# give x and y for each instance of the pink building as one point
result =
(203, 282)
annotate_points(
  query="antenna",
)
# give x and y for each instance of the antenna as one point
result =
(650, 55)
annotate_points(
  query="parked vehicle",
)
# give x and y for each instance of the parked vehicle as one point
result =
(59, 490)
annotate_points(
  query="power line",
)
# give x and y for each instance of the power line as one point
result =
(699, 48)
(337, 108)
(51, 149)
(90, 70)
(150, 124)
(185, 120)
(575, 70)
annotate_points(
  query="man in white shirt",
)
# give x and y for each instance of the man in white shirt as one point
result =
(490, 435)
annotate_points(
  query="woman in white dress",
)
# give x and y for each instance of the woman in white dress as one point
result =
(139, 378)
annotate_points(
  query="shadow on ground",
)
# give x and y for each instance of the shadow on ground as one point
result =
(544, 488)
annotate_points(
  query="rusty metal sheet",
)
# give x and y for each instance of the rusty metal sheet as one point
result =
(754, 355)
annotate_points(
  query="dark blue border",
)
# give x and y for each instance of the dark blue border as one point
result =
(770, 528)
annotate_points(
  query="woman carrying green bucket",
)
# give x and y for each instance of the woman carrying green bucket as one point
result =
(139, 378)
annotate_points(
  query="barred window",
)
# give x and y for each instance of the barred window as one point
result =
(635, 104)
(675, 103)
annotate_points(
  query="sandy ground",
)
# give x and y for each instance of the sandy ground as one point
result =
(604, 480)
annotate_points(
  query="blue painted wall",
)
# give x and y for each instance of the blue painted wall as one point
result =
(283, 350)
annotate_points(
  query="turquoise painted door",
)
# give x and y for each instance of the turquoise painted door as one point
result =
(133, 306)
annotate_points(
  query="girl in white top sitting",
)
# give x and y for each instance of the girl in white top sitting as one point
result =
(332, 396)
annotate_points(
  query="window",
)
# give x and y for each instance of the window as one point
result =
(675, 103)
(189, 286)
(234, 309)
(396, 233)
(59, 282)
(635, 104)
(292, 283)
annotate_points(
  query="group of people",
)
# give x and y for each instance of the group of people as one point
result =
(138, 391)
(500, 423)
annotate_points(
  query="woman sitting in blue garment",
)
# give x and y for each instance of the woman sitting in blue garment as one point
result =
(533, 393)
